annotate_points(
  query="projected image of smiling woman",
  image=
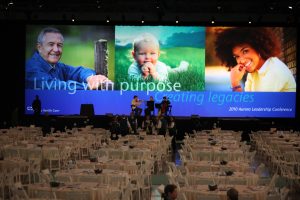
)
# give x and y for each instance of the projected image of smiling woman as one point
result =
(256, 51)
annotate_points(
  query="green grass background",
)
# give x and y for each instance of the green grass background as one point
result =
(82, 54)
(191, 80)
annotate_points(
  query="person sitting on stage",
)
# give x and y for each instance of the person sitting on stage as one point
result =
(135, 103)
(150, 106)
(165, 105)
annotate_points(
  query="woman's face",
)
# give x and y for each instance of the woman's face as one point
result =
(247, 57)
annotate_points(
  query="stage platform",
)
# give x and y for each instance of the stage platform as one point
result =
(183, 124)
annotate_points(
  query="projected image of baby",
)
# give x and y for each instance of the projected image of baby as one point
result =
(146, 66)
(254, 51)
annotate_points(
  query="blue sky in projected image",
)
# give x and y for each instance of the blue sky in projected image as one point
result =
(126, 34)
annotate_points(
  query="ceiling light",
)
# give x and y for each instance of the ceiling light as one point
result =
(249, 20)
(212, 20)
(290, 7)
(142, 19)
(98, 4)
(157, 4)
(273, 6)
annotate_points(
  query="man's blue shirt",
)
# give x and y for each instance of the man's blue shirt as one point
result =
(41, 75)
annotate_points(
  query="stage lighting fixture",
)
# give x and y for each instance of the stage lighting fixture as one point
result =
(177, 20)
(142, 21)
(213, 20)
(73, 18)
(249, 20)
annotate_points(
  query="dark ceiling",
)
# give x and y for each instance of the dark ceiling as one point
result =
(151, 10)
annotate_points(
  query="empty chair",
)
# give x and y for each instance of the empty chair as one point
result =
(52, 158)
(18, 191)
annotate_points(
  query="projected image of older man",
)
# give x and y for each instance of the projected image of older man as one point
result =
(45, 72)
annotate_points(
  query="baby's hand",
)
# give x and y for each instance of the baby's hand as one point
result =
(151, 68)
(145, 71)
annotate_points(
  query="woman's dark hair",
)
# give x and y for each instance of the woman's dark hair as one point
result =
(262, 39)
(169, 189)
(232, 194)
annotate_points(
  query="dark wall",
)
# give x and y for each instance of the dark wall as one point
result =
(12, 55)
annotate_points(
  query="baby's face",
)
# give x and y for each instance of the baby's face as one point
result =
(147, 52)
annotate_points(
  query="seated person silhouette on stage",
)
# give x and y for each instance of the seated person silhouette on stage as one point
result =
(150, 106)
(135, 103)
(165, 106)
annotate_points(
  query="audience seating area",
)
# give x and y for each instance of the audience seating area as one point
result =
(84, 163)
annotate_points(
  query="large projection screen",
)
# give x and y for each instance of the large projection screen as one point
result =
(189, 68)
